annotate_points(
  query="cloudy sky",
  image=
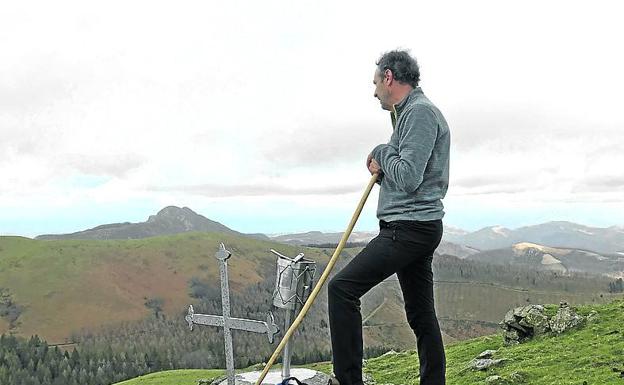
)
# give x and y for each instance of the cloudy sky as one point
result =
(260, 114)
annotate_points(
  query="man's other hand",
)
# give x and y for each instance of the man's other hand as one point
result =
(372, 165)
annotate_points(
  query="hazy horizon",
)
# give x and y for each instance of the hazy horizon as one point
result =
(448, 226)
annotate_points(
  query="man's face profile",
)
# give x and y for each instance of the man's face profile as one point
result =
(381, 90)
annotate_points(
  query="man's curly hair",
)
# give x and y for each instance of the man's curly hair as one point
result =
(404, 67)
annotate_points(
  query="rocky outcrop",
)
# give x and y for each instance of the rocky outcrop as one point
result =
(565, 319)
(525, 322)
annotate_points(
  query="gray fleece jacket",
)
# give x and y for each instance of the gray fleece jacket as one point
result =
(415, 162)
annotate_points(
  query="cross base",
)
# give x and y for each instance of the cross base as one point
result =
(309, 376)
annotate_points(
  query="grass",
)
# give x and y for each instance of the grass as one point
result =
(590, 354)
(177, 377)
(67, 285)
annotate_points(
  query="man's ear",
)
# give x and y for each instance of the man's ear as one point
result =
(388, 77)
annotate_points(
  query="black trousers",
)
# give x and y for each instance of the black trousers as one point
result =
(405, 248)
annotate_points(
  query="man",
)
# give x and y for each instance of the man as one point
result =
(413, 168)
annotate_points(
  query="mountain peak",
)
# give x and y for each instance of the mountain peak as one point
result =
(169, 220)
(497, 229)
(500, 229)
(175, 213)
(175, 210)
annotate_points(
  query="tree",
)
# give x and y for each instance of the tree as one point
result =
(155, 304)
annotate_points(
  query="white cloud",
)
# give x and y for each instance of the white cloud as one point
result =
(275, 98)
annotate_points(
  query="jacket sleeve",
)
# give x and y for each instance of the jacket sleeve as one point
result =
(406, 164)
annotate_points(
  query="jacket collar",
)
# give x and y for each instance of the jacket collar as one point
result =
(400, 106)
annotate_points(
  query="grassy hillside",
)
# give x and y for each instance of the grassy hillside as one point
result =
(63, 286)
(58, 287)
(588, 354)
(593, 353)
(189, 376)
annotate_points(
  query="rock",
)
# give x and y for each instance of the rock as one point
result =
(565, 319)
(509, 318)
(532, 317)
(219, 380)
(511, 337)
(525, 322)
(496, 380)
(368, 379)
(517, 377)
(389, 353)
(592, 316)
(486, 354)
(522, 323)
(485, 363)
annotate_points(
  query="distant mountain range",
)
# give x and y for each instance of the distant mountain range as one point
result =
(312, 238)
(319, 238)
(174, 220)
(554, 234)
(561, 260)
(459, 242)
(511, 249)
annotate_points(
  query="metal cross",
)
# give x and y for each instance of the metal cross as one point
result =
(228, 323)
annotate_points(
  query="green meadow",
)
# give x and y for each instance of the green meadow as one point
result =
(590, 354)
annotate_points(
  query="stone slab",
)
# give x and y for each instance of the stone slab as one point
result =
(309, 376)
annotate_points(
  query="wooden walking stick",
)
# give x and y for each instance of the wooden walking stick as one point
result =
(321, 281)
